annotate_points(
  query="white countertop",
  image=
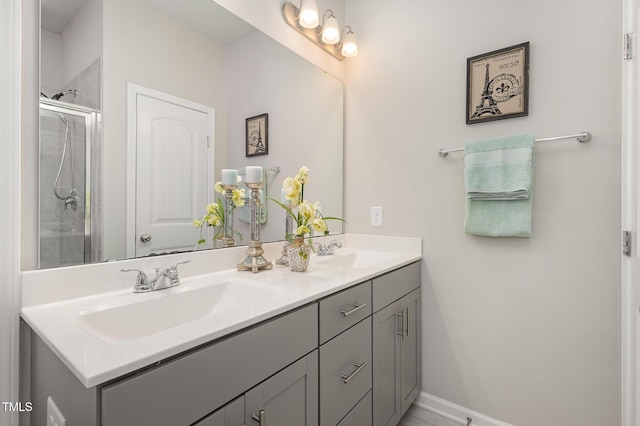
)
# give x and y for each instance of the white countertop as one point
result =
(54, 300)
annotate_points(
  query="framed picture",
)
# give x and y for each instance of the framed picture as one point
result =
(257, 133)
(498, 84)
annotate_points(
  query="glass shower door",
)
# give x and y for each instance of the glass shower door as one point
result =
(64, 228)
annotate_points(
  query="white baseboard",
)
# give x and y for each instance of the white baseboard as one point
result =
(455, 412)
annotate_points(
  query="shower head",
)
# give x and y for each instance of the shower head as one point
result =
(57, 96)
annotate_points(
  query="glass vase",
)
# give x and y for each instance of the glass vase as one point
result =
(298, 254)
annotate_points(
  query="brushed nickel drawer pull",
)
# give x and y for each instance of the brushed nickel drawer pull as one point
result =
(260, 418)
(406, 330)
(401, 332)
(356, 307)
(359, 367)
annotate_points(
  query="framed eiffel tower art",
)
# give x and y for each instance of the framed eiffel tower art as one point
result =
(498, 84)
(257, 135)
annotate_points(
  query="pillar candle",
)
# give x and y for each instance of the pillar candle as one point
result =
(229, 177)
(254, 174)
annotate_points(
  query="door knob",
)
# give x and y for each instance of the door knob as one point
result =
(145, 238)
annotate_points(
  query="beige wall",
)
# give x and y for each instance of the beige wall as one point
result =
(522, 330)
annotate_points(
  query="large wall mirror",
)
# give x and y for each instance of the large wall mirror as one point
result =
(106, 63)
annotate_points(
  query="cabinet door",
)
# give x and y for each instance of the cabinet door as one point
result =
(387, 326)
(396, 359)
(410, 350)
(289, 398)
(231, 414)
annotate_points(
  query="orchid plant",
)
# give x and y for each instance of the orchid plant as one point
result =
(307, 216)
(216, 215)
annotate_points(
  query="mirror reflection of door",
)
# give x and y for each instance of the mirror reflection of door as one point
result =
(173, 171)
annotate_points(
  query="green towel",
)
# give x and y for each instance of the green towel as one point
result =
(499, 186)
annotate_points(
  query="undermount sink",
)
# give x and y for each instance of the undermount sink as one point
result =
(346, 258)
(144, 314)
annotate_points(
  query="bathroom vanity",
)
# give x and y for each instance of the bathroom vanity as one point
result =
(338, 345)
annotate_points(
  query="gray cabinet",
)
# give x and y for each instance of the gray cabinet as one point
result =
(345, 372)
(231, 414)
(396, 348)
(349, 359)
(187, 388)
(410, 350)
(345, 352)
(289, 398)
(361, 413)
(345, 309)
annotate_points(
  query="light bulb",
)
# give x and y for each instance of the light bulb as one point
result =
(308, 14)
(349, 45)
(331, 31)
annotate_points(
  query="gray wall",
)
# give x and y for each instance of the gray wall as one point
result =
(522, 330)
(132, 27)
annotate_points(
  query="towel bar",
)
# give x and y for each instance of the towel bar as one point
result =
(275, 169)
(580, 137)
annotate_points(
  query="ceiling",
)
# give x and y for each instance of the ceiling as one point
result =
(56, 14)
(204, 16)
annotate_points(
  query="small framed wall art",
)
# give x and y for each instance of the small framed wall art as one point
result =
(498, 84)
(257, 134)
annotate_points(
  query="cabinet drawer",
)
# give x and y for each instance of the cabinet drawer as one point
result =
(187, 388)
(342, 310)
(361, 415)
(395, 284)
(345, 372)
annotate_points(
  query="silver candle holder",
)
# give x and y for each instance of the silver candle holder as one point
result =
(228, 240)
(288, 230)
(254, 260)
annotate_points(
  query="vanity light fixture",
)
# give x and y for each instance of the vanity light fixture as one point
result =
(331, 29)
(327, 36)
(308, 14)
(349, 44)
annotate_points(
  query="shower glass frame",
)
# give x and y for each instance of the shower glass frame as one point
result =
(90, 118)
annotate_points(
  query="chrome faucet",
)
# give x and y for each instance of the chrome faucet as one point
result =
(165, 279)
(328, 249)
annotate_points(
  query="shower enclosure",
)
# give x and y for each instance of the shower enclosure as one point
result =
(64, 225)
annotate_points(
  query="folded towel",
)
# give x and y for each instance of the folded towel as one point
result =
(499, 169)
(499, 186)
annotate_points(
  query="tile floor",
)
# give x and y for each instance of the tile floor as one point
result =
(417, 416)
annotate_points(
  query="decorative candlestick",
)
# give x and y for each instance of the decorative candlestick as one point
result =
(228, 240)
(254, 260)
(288, 230)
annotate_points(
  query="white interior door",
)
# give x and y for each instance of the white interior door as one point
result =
(630, 198)
(173, 171)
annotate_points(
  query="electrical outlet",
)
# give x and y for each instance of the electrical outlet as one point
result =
(54, 416)
(376, 216)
